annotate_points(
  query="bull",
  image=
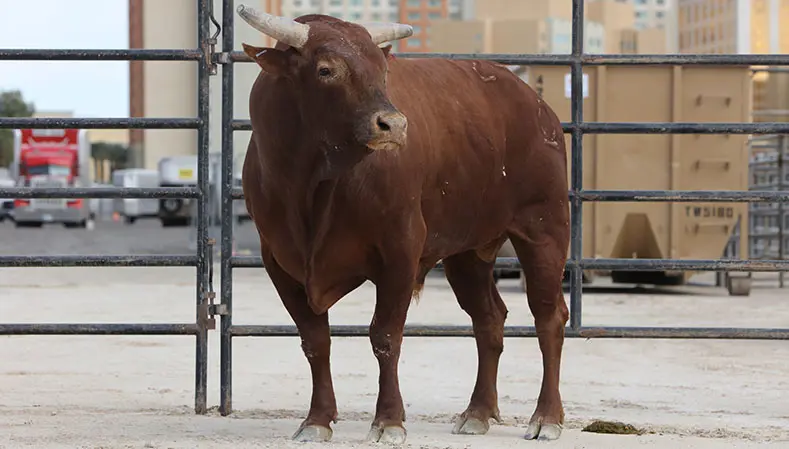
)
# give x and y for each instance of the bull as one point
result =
(363, 166)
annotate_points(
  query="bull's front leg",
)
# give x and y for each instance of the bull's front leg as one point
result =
(315, 342)
(394, 295)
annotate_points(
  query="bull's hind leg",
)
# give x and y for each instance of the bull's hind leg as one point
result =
(542, 249)
(315, 342)
(472, 281)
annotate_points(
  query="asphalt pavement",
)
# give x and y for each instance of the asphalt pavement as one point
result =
(145, 236)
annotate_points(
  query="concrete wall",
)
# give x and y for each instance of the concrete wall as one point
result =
(170, 88)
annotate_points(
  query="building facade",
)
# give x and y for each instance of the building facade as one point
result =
(538, 26)
(652, 13)
(741, 27)
(352, 10)
(420, 14)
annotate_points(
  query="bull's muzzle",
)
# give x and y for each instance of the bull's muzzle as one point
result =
(389, 130)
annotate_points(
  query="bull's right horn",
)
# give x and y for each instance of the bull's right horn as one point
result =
(283, 30)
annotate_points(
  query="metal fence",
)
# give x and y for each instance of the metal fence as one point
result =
(201, 260)
(767, 238)
(208, 60)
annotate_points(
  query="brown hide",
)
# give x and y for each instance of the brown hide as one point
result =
(362, 166)
(482, 148)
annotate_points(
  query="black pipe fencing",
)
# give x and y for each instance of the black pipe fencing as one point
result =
(577, 195)
(208, 60)
(201, 260)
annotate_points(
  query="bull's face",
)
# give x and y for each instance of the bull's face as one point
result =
(339, 73)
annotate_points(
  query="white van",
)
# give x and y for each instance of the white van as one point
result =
(133, 208)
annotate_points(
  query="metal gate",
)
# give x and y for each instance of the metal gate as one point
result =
(207, 60)
(201, 260)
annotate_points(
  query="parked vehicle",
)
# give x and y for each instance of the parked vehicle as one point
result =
(133, 208)
(181, 171)
(176, 171)
(6, 204)
(52, 158)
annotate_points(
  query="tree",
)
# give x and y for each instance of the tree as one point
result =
(12, 104)
(115, 153)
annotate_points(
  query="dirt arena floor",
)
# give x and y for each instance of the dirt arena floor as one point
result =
(137, 392)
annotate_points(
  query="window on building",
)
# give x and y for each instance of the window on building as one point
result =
(356, 16)
(356, 2)
(375, 2)
(414, 42)
(335, 2)
(414, 3)
(434, 15)
(414, 15)
(435, 3)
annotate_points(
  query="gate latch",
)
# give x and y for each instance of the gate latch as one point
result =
(208, 309)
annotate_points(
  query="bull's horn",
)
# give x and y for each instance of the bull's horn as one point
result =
(384, 32)
(282, 29)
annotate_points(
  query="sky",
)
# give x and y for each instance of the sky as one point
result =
(88, 89)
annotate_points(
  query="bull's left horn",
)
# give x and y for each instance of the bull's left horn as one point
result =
(384, 32)
(282, 29)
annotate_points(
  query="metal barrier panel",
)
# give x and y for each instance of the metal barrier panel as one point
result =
(577, 195)
(201, 260)
(207, 60)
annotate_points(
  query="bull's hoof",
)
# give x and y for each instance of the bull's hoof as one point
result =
(543, 431)
(469, 425)
(312, 433)
(388, 435)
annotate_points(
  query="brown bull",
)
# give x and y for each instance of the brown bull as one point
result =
(362, 166)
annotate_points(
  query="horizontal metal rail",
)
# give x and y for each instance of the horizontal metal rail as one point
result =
(15, 54)
(529, 331)
(675, 196)
(99, 123)
(99, 192)
(98, 329)
(644, 128)
(567, 59)
(684, 196)
(612, 264)
(16, 261)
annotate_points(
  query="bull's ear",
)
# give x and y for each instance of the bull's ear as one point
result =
(269, 59)
(386, 50)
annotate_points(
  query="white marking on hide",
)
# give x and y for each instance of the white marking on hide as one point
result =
(484, 78)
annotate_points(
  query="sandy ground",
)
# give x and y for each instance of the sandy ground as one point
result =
(137, 392)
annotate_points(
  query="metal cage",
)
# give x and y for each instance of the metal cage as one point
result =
(208, 60)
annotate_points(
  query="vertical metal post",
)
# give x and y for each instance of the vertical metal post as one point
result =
(226, 270)
(781, 149)
(576, 181)
(201, 347)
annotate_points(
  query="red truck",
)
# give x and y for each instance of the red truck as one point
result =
(47, 158)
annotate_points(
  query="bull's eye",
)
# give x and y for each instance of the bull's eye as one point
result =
(324, 72)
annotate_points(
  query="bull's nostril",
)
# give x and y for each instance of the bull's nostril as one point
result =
(382, 125)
